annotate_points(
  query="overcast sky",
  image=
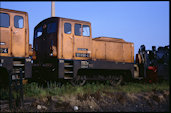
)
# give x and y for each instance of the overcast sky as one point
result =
(138, 22)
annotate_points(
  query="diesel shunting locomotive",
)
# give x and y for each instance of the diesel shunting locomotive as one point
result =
(66, 48)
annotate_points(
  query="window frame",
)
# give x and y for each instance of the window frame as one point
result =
(9, 20)
(64, 27)
(37, 32)
(83, 29)
(80, 27)
(14, 22)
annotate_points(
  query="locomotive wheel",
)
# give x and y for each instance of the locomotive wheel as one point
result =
(116, 80)
(77, 81)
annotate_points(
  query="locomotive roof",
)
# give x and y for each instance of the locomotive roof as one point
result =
(13, 11)
(57, 18)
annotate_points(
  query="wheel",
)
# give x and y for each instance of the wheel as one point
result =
(78, 81)
(116, 80)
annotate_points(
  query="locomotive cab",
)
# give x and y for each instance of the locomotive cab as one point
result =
(62, 38)
(14, 44)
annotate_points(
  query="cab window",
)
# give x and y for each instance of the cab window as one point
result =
(18, 22)
(67, 28)
(51, 27)
(4, 20)
(38, 32)
(78, 29)
(86, 30)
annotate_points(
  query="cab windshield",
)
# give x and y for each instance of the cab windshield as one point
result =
(46, 28)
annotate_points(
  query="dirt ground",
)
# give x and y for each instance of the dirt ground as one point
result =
(154, 101)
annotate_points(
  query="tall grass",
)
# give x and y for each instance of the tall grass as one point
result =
(33, 90)
(52, 89)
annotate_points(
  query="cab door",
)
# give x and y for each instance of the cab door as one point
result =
(67, 42)
(18, 35)
(82, 41)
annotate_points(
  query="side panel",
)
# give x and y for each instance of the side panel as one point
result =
(112, 66)
(5, 37)
(5, 40)
(102, 65)
(98, 50)
(128, 52)
(113, 51)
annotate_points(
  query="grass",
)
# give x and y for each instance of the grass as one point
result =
(34, 90)
(68, 89)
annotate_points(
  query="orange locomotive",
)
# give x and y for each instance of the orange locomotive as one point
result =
(66, 49)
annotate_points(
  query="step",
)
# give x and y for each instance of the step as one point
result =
(68, 65)
(18, 64)
(68, 71)
(16, 71)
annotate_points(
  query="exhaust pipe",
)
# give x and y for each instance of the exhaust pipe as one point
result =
(52, 9)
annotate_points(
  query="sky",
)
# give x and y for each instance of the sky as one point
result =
(140, 22)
